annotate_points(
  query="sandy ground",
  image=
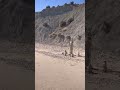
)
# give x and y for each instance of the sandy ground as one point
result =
(56, 72)
(15, 71)
(102, 80)
(15, 78)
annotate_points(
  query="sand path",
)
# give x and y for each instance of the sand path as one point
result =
(57, 74)
(15, 78)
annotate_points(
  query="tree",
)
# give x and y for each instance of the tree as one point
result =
(72, 3)
(53, 6)
(47, 6)
(65, 4)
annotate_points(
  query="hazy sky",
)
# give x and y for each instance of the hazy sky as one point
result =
(41, 4)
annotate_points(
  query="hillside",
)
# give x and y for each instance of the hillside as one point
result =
(104, 26)
(58, 25)
(103, 23)
(103, 19)
(16, 23)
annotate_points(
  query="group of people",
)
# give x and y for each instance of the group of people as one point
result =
(72, 55)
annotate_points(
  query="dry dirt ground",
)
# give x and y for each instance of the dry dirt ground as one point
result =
(102, 80)
(54, 71)
(16, 67)
(15, 78)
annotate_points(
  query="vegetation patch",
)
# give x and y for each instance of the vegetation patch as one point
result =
(63, 24)
(68, 38)
(45, 25)
(79, 37)
(70, 20)
(53, 36)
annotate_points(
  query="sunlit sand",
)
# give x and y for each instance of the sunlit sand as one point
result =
(53, 73)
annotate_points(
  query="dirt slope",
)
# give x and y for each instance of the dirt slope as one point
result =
(48, 27)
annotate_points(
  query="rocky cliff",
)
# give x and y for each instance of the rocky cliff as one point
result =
(16, 20)
(103, 21)
(58, 25)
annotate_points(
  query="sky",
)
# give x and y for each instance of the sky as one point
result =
(41, 4)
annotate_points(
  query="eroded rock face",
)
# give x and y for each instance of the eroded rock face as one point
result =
(16, 19)
(103, 21)
(73, 17)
